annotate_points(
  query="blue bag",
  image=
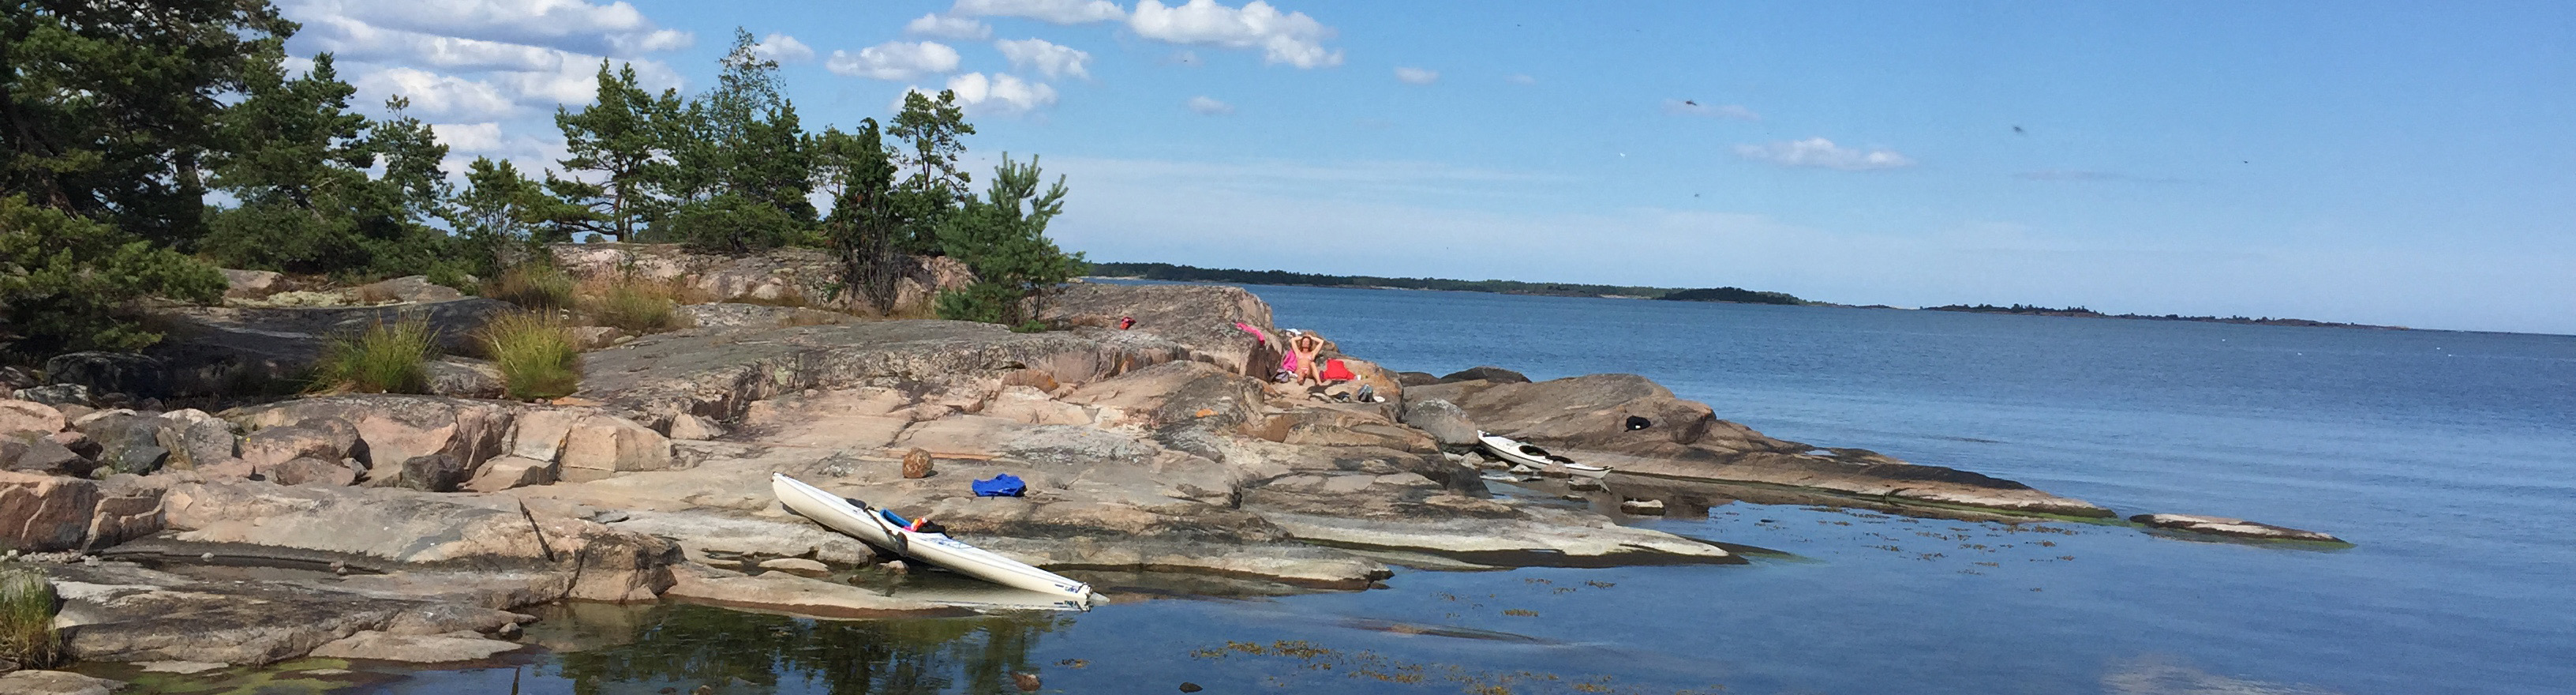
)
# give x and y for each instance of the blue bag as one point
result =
(1002, 485)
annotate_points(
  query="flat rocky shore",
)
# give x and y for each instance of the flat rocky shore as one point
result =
(418, 527)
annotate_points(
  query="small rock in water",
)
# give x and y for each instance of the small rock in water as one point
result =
(1189, 687)
(897, 566)
(1583, 484)
(206, 557)
(1643, 507)
(1028, 682)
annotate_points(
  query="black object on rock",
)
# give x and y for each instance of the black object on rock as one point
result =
(1638, 423)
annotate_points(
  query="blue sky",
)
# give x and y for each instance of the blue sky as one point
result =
(2393, 163)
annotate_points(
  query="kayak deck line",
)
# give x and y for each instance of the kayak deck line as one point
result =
(858, 520)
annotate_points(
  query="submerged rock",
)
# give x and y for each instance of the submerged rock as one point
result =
(422, 649)
(2223, 526)
(56, 683)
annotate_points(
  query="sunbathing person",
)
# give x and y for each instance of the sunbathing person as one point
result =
(1308, 350)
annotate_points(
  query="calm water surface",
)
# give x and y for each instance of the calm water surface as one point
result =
(2448, 458)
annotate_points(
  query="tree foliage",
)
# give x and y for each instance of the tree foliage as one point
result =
(108, 112)
(618, 140)
(70, 283)
(1002, 237)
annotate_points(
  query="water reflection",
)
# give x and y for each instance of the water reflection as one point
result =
(686, 646)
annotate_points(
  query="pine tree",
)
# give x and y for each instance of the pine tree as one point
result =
(69, 283)
(619, 139)
(933, 131)
(295, 158)
(107, 111)
(856, 172)
(1002, 237)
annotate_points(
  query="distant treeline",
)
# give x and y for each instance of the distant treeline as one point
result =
(2081, 312)
(1184, 273)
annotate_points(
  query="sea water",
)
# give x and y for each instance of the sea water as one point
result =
(2448, 459)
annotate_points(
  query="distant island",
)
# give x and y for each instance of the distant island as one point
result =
(2081, 312)
(1733, 295)
(1184, 273)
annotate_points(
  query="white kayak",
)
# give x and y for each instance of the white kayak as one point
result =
(873, 527)
(1517, 452)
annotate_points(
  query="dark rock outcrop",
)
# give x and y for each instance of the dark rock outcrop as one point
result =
(224, 350)
(110, 372)
(1485, 373)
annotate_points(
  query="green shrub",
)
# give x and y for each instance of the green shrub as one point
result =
(988, 302)
(27, 619)
(1032, 326)
(532, 286)
(537, 358)
(729, 223)
(385, 358)
(67, 283)
(633, 305)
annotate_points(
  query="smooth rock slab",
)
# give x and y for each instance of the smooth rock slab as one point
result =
(56, 683)
(181, 667)
(797, 566)
(419, 649)
(2223, 526)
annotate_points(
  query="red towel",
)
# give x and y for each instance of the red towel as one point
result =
(1334, 371)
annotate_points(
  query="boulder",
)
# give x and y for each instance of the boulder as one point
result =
(397, 428)
(509, 472)
(56, 683)
(250, 284)
(409, 288)
(14, 378)
(110, 372)
(29, 416)
(539, 433)
(34, 454)
(195, 438)
(429, 473)
(323, 438)
(693, 427)
(1485, 373)
(419, 649)
(57, 395)
(1410, 379)
(307, 470)
(463, 377)
(44, 512)
(129, 507)
(2223, 526)
(777, 276)
(127, 442)
(1200, 318)
(1443, 420)
(608, 443)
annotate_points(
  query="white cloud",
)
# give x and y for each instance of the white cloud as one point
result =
(1686, 107)
(1049, 59)
(1054, 11)
(1291, 38)
(943, 26)
(572, 25)
(783, 48)
(468, 137)
(1004, 95)
(1820, 152)
(1521, 79)
(895, 60)
(1210, 107)
(438, 95)
(1417, 75)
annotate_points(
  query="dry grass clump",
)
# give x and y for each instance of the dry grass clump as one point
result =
(536, 356)
(384, 358)
(27, 619)
(532, 286)
(634, 305)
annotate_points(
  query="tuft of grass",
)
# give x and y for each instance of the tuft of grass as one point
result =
(532, 286)
(633, 305)
(787, 297)
(536, 356)
(27, 619)
(384, 358)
